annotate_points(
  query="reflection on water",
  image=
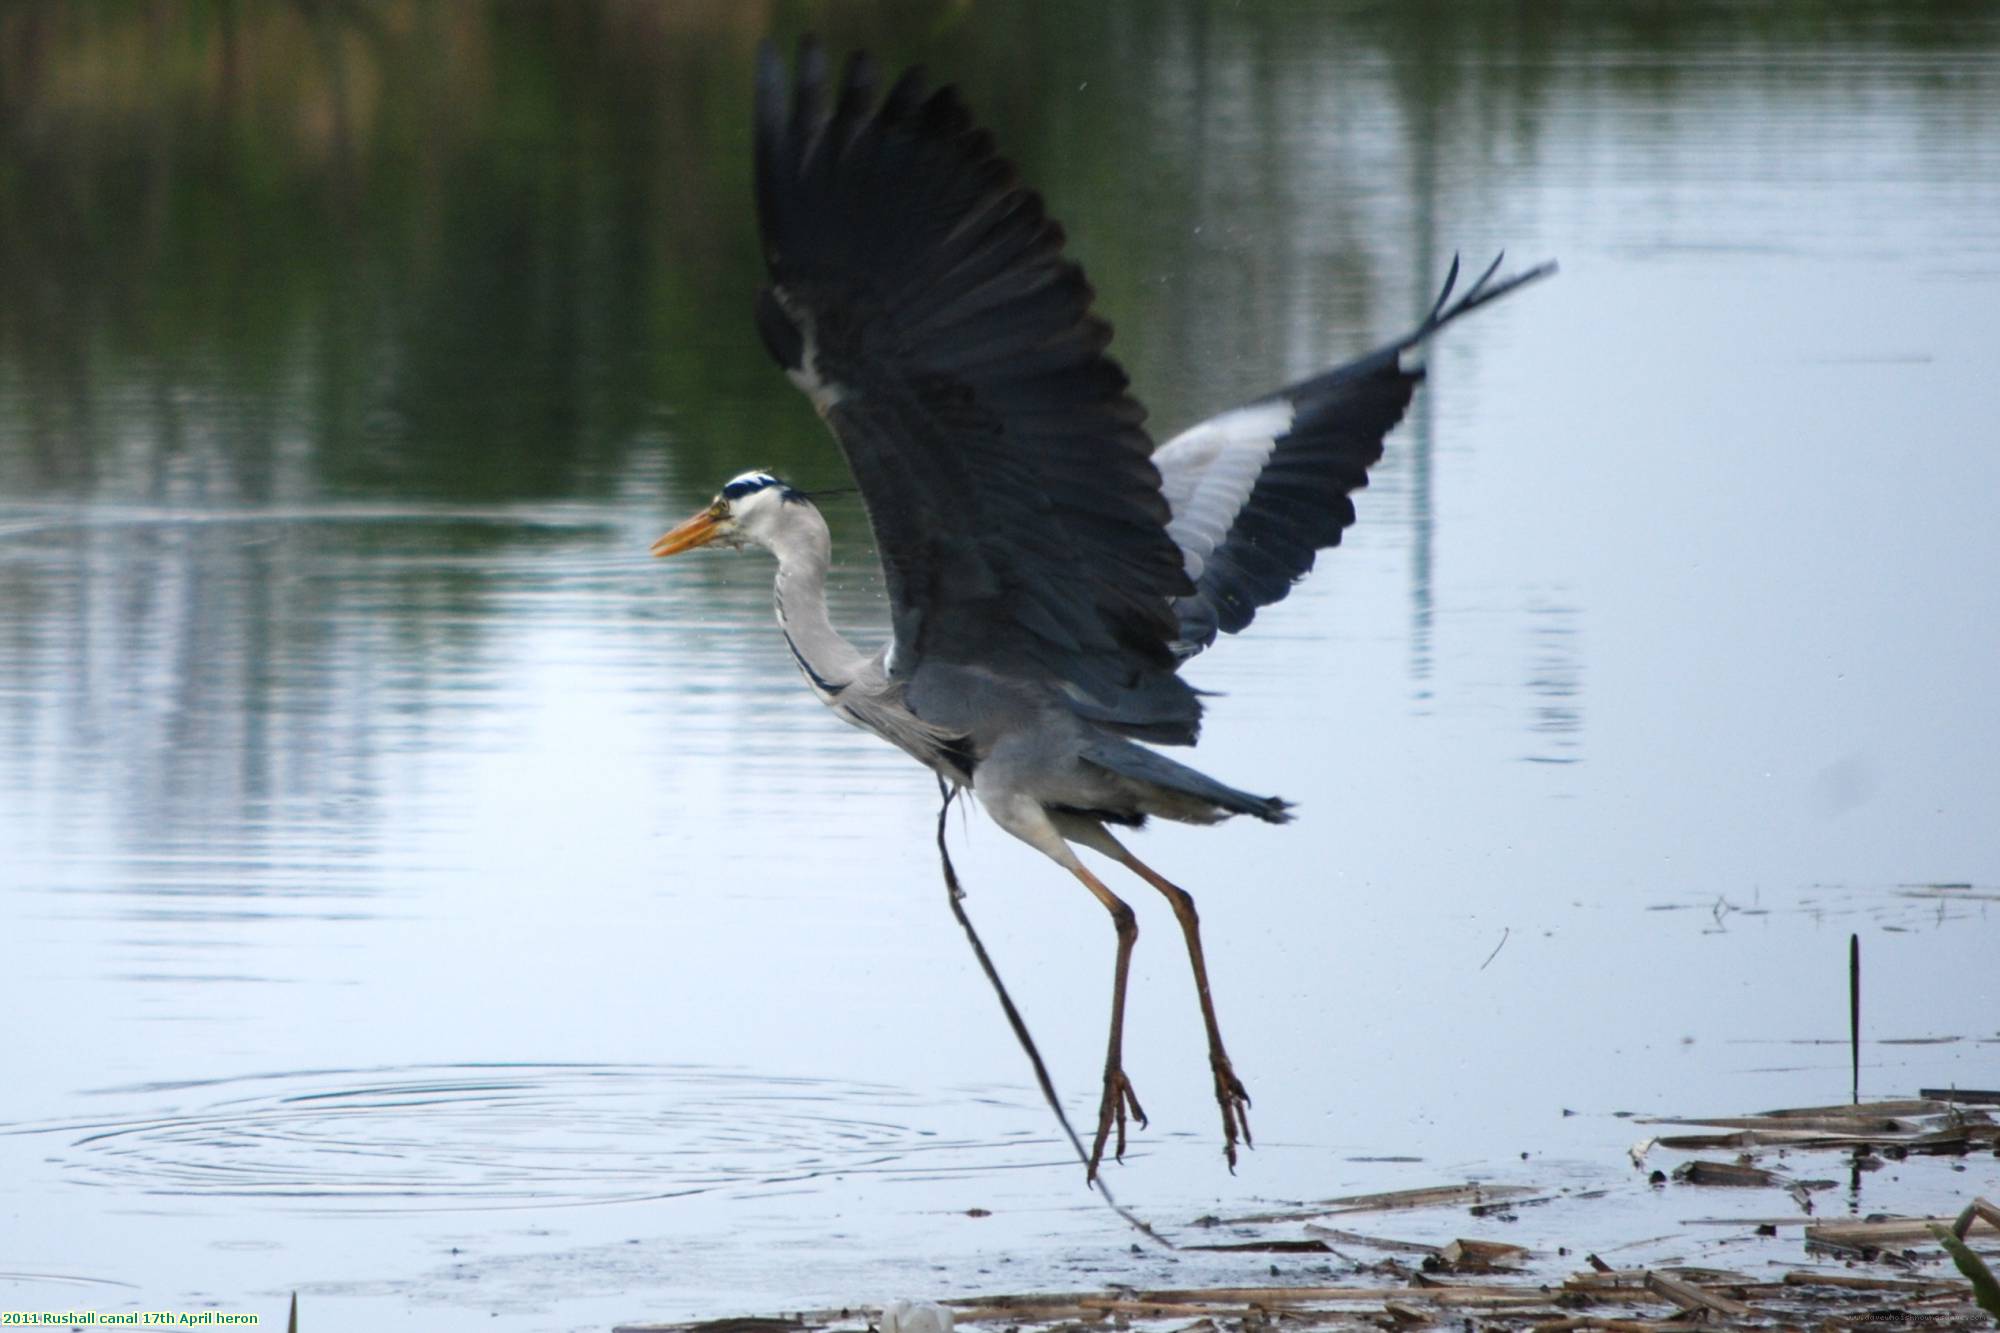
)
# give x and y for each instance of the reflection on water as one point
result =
(1553, 687)
(350, 357)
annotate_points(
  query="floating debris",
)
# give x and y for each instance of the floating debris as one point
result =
(1620, 1301)
(1932, 1123)
(1881, 1233)
(1433, 1196)
(1409, 1284)
(1727, 1174)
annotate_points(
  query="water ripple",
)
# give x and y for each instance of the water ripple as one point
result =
(517, 1135)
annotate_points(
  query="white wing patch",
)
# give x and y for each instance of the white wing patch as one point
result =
(1208, 471)
(825, 394)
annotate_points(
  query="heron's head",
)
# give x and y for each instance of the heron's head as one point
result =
(747, 510)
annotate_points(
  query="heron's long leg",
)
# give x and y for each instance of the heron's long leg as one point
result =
(1028, 819)
(1230, 1093)
(1118, 1094)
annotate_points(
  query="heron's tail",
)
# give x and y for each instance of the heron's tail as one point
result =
(1180, 792)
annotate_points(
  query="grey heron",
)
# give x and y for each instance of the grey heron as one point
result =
(1048, 570)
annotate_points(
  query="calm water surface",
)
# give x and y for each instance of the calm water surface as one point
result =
(416, 896)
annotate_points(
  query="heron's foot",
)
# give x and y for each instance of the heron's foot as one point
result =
(1234, 1099)
(1118, 1099)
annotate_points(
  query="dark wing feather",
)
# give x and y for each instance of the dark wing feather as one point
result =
(1258, 491)
(920, 297)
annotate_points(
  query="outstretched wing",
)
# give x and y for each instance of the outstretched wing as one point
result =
(1256, 491)
(920, 297)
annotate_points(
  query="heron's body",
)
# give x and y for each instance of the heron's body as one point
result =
(1049, 571)
(1011, 739)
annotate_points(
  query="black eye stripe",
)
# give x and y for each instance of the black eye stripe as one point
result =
(743, 486)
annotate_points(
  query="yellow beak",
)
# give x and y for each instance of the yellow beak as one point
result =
(700, 530)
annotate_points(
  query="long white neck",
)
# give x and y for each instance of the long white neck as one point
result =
(804, 549)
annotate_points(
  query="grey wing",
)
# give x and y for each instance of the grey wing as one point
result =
(920, 297)
(877, 703)
(1256, 492)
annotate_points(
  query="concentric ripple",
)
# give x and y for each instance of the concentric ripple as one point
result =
(517, 1135)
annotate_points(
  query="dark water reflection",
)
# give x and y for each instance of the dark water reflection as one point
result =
(351, 355)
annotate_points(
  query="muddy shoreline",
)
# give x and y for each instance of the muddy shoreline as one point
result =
(1796, 1257)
